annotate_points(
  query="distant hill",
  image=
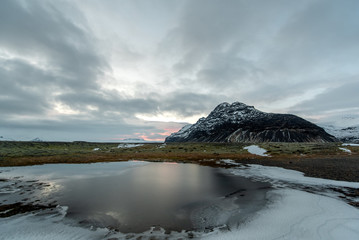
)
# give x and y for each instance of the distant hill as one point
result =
(132, 140)
(344, 134)
(36, 140)
(238, 122)
(3, 138)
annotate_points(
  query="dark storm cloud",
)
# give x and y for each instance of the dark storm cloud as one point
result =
(248, 48)
(48, 58)
(196, 54)
(112, 101)
(38, 30)
(47, 53)
(189, 104)
(221, 70)
(212, 27)
(69, 129)
(21, 88)
(340, 98)
(320, 36)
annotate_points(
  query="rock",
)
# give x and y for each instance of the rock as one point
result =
(238, 122)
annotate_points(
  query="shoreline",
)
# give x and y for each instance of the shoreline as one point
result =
(321, 160)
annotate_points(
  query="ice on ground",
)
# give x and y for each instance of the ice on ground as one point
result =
(276, 174)
(254, 149)
(345, 150)
(229, 162)
(33, 227)
(297, 214)
(96, 149)
(351, 144)
(129, 145)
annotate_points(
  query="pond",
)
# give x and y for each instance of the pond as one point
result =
(132, 197)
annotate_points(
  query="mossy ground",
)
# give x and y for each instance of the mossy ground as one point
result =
(314, 159)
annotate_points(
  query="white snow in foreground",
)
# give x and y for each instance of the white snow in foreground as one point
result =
(351, 144)
(296, 214)
(31, 227)
(345, 150)
(129, 145)
(254, 149)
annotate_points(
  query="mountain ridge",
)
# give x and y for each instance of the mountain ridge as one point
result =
(238, 122)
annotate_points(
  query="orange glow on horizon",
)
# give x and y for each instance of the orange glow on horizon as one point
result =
(148, 136)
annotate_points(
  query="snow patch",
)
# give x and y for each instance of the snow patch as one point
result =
(129, 145)
(345, 150)
(162, 145)
(351, 144)
(96, 149)
(276, 174)
(254, 149)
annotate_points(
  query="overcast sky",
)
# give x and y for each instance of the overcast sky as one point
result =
(104, 70)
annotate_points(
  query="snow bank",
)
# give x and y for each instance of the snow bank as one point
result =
(254, 149)
(296, 214)
(32, 227)
(276, 175)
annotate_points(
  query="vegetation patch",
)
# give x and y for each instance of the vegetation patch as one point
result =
(314, 159)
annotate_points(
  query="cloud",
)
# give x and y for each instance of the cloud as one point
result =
(344, 98)
(72, 67)
(265, 52)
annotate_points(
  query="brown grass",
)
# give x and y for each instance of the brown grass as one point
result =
(314, 159)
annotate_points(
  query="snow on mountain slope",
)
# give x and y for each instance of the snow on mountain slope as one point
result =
(344, 134)
(2, 138)
(238, 122)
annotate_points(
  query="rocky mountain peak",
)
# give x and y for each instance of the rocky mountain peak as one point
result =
(238, 122)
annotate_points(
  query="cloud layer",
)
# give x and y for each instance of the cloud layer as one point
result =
(105, 70)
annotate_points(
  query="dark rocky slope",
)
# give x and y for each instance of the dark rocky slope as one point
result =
(238, 122)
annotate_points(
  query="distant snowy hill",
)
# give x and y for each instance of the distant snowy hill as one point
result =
(36, 140)
(238, 122)
(137, 140)
(132, 140)
(2, 138)
(344, 134)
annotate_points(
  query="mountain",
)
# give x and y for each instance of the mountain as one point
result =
(344, 134)
(2, 138)
(238, 122)
(36, 140)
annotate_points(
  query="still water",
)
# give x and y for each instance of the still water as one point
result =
(172, 196)
(133, 197)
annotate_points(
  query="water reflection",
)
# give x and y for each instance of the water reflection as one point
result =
(173, 196)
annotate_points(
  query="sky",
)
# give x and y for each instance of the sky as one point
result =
(105, 70)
